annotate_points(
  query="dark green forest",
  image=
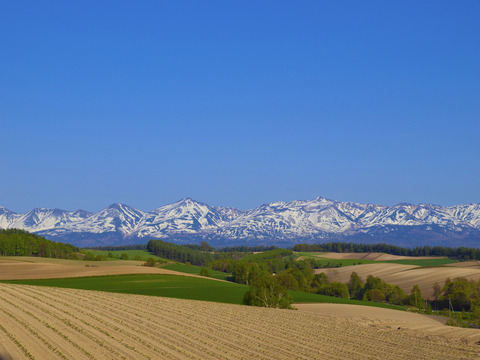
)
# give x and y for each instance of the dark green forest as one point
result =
(15, 242)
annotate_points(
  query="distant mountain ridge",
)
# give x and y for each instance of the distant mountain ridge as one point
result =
(277, 223)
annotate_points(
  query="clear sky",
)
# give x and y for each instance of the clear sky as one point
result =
(238, 103)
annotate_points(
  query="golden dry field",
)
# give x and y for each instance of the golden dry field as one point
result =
(53, 323)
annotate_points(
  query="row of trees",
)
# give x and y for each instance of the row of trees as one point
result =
(246, 249)
(179, 253)
(15, 242)
(463, 294)
(119, 248)
(90, 256)
(461, 253)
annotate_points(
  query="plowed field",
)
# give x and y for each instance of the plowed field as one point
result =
(405, 276)
(41, 268)
(53, 323)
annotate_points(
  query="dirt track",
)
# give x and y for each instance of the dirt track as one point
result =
(52, 323)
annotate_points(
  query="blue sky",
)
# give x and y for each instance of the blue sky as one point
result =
(238, 103)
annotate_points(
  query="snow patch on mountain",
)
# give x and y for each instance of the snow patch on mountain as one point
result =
(286, 221)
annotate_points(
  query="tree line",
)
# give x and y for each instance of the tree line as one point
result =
(16, 242)
(463, 294)
(460, 253)
(179, 253)
(119, 247)
(246, 249)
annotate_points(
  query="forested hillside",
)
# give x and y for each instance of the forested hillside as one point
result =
(15, 242)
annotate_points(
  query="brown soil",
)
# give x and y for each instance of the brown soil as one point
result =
(38, 268)
(53, 323)
(464, 264)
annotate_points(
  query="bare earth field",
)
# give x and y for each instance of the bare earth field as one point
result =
(53, 323)
(405, 276)
(470, 264)
(40, 268)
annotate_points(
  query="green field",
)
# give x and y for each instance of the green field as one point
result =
(192, 269)
(174, 286)
(343, 262)
(424, 262)
(304, 297)
(132, 254)
(324, 261)
(182, 287)
(309, 254)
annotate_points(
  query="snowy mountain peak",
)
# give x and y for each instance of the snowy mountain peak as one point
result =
(4, 210)
(276, 222)
(321, 199)
(119, 207)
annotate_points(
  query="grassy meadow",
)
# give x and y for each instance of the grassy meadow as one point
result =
(193, 269)
(321, 259)
(173, 286)
(182, 287)
(424, 262)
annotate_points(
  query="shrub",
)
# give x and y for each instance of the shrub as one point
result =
(150, 262)
(374, 295)
(336, 289)
(89, 256)
(204, 272)
(267, 291)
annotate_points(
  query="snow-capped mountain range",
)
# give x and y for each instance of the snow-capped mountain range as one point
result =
(277, 223)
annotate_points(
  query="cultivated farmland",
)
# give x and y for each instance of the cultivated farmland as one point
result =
(405, 276)
(53, 323)
(13, 268)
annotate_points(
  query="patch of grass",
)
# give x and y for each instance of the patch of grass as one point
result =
(417, 262)
(309, 254)
(182, 287)
(143, 255)
(349, 262)
(192, 269)
(343, 262)
(424, 262)
(174, 286)
(303, 297)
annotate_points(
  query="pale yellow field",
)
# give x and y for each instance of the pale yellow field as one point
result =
(42, 268)
(405, 276)
(53, 323)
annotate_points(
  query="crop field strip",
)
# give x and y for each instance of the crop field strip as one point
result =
(54, 323)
